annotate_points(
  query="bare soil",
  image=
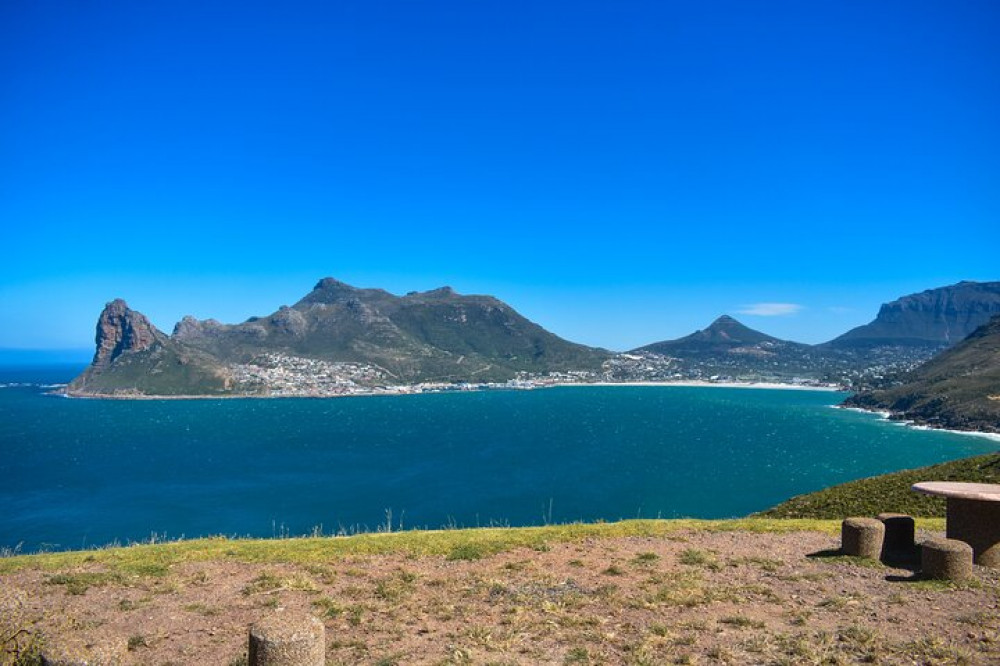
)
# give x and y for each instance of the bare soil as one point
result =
(693, 597)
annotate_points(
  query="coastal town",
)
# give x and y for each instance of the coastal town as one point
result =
(282, 375)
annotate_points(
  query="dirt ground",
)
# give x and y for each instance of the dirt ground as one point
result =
(690, 598)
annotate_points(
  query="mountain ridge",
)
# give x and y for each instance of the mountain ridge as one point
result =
(937, 317)
(437, 335)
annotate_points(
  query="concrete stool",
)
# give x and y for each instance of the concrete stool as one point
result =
(287, 640)
(85, 650)
(862, 537)
(947, 559)
(899, 536)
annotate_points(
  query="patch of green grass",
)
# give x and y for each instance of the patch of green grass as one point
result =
(150, 569)
(936, 650)
(577, 655)
(741, 621)
(645, 558)
(613, 570)
(201, 609)
(136, 641)
(396, 587)
(328, 607)
(354, 614)
(268, 582)
(938, 585)
(867, 562)
(699, 558)
(79, 583)
(468, 551)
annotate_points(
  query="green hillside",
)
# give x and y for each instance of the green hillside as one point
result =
(959, 388)
(889, 492)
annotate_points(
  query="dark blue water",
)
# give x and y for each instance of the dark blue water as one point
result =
(77, 473)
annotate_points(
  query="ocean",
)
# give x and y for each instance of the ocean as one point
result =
(78, 473)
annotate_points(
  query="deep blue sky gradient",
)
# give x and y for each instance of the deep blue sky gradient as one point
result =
(620, 172)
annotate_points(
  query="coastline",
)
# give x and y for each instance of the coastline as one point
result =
(418, 389)
(893, 417)
(898, 418)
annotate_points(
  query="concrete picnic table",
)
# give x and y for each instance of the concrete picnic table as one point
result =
(973, 516)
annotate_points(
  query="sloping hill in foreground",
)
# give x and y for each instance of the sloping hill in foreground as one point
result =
(749, 591)
(959, 388)
(889, 492)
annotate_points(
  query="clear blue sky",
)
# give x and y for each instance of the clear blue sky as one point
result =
(620, 172)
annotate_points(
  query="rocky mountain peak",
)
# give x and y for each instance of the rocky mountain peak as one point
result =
(120, 330)
(725, 320)
(328, 291)
(331, 284)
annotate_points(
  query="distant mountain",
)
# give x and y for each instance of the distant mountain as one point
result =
(959, 388)
(727, 347)
(436, 335)
(724, 335)
(933, 318)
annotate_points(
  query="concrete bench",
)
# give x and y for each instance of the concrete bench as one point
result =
(973, 516)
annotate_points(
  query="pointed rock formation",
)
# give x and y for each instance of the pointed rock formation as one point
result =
(121, 330)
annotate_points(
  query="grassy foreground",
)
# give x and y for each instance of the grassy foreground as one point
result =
(889, 492)
(459, 544)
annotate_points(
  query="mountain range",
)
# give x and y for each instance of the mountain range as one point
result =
(338, 336)
(432, 336)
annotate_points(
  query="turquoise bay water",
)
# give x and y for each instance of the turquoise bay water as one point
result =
(77, 473)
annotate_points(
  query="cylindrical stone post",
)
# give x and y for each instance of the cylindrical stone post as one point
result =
(862, 537)
(977, 524)
(899, 535)
(947, 559)
(90, 650)
(287, 640)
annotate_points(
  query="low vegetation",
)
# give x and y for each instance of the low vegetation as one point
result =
(466, 544)
(889, 492)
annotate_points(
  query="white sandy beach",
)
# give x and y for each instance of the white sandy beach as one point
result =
(745, 385)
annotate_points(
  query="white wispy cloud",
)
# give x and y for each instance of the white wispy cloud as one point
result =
(770, 309)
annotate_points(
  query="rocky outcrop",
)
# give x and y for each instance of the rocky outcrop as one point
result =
(289, 322)
(121, 330)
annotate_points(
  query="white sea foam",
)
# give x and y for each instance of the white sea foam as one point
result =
(884, 415)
